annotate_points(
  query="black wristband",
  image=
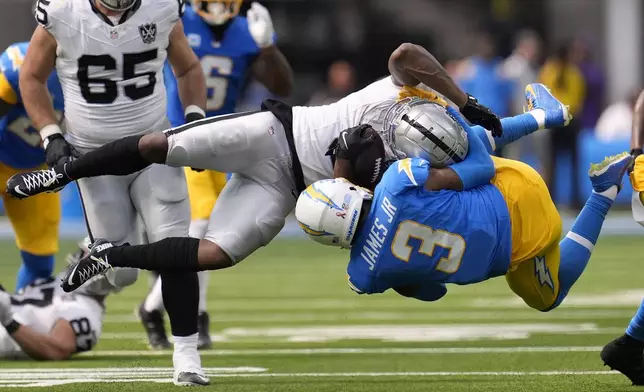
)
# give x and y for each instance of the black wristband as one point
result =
(190, 117)
(12, 327)
(636, 151)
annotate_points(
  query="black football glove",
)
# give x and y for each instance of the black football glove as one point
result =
(58, 151)
(352, 142)
(478, 114)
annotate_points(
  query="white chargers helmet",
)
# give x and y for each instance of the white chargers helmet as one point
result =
(428, 130)
(329, 211)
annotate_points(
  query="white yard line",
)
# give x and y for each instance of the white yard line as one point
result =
(342, 351)
(140, 376)
(454, 316)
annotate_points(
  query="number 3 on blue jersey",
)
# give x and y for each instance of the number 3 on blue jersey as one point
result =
(216, 69)
(429, 240)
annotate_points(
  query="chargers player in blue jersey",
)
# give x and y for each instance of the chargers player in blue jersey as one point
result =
(34, 222)
(231, 49)
(416, 233)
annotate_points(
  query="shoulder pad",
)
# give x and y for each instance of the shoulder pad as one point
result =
(48, 12)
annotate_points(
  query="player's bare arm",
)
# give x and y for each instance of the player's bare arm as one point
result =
(443, 179)
(271, 68)
(412, 64)
(59, 344)
(187, 69)
(637, 136)
(38, 64)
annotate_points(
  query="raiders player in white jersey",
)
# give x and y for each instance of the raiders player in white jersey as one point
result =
(43, 322)
(109, 56)
(274, 154)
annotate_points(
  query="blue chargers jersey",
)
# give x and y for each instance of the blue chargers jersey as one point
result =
(225, 64)
(20, 144)
(411, 235)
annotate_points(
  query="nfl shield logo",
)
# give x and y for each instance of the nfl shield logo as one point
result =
(148, 32)
(114, 34)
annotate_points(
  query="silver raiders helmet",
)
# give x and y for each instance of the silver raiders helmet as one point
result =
(427, 130)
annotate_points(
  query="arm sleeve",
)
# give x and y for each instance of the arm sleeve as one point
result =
(477, 168)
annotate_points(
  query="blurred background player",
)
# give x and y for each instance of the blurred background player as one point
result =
(43, 322)
(35, 222)
(231, 49)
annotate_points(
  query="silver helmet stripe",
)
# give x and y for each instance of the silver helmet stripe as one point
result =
(433, 138)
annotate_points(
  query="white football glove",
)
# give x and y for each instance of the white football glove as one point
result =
(6, 313)
(260, 25)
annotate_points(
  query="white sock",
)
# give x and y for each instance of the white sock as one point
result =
(203, 289)
(610, 193)
(185, 357)
(154, 300)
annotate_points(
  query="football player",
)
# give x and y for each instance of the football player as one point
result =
(109, 56)
(413, 236)
(624, 354)
(43, 322)
(230, 48)
(273, 154)
(35, 222)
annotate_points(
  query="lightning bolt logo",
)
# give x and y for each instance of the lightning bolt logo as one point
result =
(404, 165)
(542, 272)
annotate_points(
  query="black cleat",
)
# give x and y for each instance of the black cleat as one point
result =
(625, 357)
(204, 342)
(95, 263)
(154, 328)
(27, 184)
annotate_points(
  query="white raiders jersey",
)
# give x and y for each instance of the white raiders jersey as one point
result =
(315, 127)
(41, 304)
(111, 73)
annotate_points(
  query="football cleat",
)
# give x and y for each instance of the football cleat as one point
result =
(187, 379)
(538, 96)
(204, 342)
(609, 172)
(94, 264)
(625, 358)
(27, 184)
(154, 328)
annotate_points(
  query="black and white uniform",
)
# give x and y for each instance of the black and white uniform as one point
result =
(270, 171)
(111, 72)
(41, 304)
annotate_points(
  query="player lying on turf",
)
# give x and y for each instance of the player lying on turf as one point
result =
(43, 322)
(625, 353)
(265, 156)
(412, 239)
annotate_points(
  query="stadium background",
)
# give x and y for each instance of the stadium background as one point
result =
(350, 40)
(284, 320)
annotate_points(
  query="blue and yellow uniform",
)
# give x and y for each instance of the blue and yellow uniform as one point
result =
(226, 64)
(416, 238)
(34, 220)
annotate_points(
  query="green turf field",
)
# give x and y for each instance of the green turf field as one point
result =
(285, 320)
